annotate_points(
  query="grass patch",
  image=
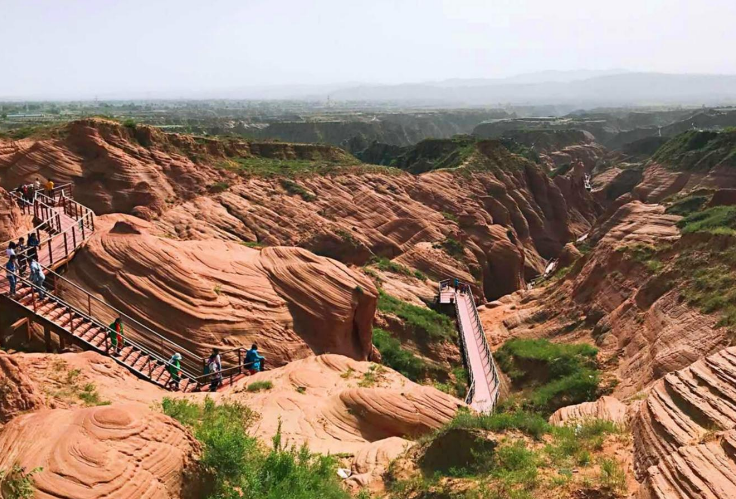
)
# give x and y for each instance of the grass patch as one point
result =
(372, 376)
(258, 386)
(552, 375)
(253, 244)
(719, 220)
(296, 189)
(457, 386)
(239, 466)
(449, 216)
(612, 476)
(686, 205)
(427, 324)
(386, 265)
(453, 247)
(698, 150)
(71, 386)
(218, 187)
(710, 281)
(397, 358)
(529, 423)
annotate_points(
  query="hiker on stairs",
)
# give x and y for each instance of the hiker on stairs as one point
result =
(10, 269)
(174, 369)
(117, 337)
(253, 360)
(37, 277)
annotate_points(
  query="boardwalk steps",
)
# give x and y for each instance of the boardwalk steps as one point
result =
(63, 227)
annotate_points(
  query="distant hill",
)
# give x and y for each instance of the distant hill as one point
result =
(621, 89)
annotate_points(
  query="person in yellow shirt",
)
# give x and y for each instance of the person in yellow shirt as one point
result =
(50, 188)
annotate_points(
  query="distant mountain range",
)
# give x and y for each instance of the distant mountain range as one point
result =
(615, 89)
(572, 89)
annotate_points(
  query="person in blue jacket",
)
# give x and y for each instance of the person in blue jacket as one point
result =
(253, 360)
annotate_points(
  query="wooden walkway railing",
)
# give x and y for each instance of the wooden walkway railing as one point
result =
(485, 383)
(79, 317)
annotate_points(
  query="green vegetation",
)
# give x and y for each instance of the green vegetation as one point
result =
(560, 170)
(687, 205)
(343, 163)
(552, 375)
(710, 280)
(398, 358)
(218, 187)
(253, 244)
(531, 424)
(513, 469)
(386, 265)
(257, 386)
(449, 216)
(372, 376)
(453, 247)
(427, 324)
(698, 150)
(432, 154)
(717, 220)
(645, 254)
(17, 484)
(457, 386)
(295, 189)
(239, 467)
(71, 387)
(130, 123)
(520, 149)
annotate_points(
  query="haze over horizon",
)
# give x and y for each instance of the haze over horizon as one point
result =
(183, 48)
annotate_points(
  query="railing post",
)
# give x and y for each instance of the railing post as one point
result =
(82, 227)
(74, 236)
(51, 253)
(66, 248)
(89, 305)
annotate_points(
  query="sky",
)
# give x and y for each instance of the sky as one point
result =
(88, 48)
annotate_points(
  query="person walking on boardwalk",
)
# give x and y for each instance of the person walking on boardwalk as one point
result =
(37, 277)
(10, 269)
(215, 369)
(174, 369)
(21, 253)
(117, 336)
(253, 360)
(50, 188)
(33, 245)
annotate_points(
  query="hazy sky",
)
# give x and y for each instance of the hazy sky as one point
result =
(83, 48)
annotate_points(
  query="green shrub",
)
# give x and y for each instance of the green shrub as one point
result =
(241, 468)
(686, 205)
(17, 484)
(257, 386)
(427, 324)
(386, 265)
(532, 424)
(554, 375)
(716, 220)
(560, 170)
(295, 189)
(397, 358)
(613, 476)
(453, 247)
(219, 187)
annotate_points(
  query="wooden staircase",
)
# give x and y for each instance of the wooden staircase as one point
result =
(146, 353)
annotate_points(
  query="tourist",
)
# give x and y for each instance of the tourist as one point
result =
(253, 360)
(37, 277)
(33, 244)
(37, 184)
(457, 284)
(215, 370)
(21, 253)
(10, 269)
(50, 188)
(117, 338)
(174, 369)
(10, 250)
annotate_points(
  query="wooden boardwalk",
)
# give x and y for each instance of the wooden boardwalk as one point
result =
(63, 227)
(484, 380)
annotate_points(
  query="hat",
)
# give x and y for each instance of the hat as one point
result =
(177, 356)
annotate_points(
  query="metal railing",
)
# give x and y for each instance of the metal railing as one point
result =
(489, 365)
(152, 363)
(61, 245)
